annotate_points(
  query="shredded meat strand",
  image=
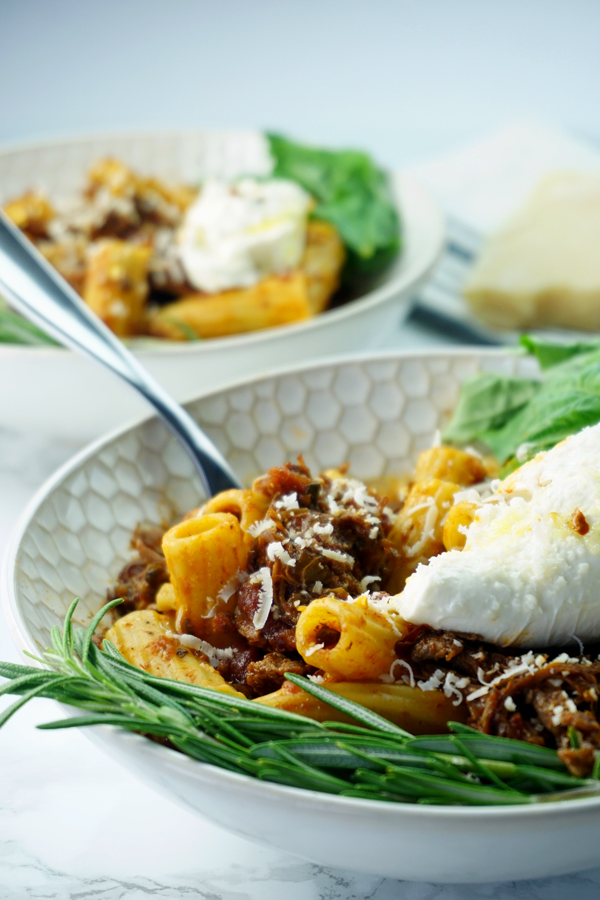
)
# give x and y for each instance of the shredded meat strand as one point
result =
(552, 705)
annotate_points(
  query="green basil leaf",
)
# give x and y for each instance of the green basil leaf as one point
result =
(549, 354)
(351, 193)
(510, 414)
(567, 401)
(487, 402)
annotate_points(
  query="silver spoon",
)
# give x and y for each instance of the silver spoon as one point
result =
(36, 289)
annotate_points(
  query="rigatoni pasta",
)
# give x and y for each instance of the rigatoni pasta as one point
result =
(247, 506)
(418, 530)
(406, 706)
(145, 638)
(203, 554)
(116, 285)
(294, 574)
(277, 300)
(349, 641)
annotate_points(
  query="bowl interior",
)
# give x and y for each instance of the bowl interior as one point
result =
(59, 167)
(376, 413)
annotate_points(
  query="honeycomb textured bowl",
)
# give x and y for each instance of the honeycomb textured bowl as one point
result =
(188, 369)
(377, 413)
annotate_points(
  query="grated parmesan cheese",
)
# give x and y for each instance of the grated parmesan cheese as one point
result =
(323, 529)
(258, 527)
(433, 683)
(453, 686)
(231, 587)
(475, 695)
(402, 662)
(428, 526)
(265, 596)
(276, 550)
(288, 501)
(338, 556)
(367, 580)
(214, 654)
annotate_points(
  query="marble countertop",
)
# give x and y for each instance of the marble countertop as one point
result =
(74, 824)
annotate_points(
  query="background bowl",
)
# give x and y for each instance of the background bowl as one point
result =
(56, 393)
(377, 412)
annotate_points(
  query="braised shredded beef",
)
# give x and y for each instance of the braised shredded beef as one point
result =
(546, 702)
(267, 675)
(306, 516)
(139, 581)
(327, 542)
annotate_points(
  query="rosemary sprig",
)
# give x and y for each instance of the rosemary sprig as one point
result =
(372, 759)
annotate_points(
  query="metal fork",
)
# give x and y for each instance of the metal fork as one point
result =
(36, 289)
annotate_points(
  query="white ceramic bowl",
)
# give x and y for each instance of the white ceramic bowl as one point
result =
(54, 392)
(377, 412)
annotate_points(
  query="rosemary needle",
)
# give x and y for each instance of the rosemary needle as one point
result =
(372, 759)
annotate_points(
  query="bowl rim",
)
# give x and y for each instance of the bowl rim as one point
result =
(423, 265)
(108, 736)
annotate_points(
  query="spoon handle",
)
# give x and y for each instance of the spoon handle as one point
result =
(36, 289)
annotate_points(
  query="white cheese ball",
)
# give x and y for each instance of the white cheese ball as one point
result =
(237, 233)
(529, 574)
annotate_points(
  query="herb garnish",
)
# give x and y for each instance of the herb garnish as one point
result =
(518, 417)
(351, 193)
(373, 759)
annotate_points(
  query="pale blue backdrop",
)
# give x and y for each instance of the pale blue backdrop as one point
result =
(404, 78)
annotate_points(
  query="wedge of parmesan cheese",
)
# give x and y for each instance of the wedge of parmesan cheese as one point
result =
(543, 268)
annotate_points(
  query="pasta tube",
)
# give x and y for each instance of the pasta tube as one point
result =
(349, 641)
(459, 518)
(420, 712)
(180, 195)
(449, 464)
(203, 555)
(276, 300)
(112, 175)
(118, 179)
(116, 285)
(418, 529)
(31, 212)
(324, 256)
(166, 600)
(143, 639)
(69, 258)
(247, 506)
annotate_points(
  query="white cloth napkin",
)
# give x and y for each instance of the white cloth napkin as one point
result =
(486, 181)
